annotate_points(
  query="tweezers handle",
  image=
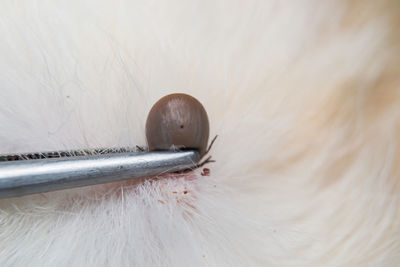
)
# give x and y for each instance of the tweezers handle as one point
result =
(18, 178)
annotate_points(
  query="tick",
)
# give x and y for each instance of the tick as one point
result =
(178, 121)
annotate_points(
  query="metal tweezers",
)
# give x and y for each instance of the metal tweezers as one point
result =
(32, 173)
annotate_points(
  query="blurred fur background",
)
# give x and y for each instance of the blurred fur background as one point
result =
(305, 98)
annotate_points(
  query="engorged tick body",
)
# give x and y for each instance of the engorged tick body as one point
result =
(177, 120)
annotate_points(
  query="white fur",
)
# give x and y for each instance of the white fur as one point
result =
(304, 96)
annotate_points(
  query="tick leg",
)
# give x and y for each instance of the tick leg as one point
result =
(204, 162)
(208, 159)
(211, 144)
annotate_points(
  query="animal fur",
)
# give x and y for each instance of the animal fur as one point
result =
(305, 98)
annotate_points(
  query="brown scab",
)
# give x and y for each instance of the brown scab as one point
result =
(205, 172)
(178, 121)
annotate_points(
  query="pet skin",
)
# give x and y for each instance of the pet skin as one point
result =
(305, 98)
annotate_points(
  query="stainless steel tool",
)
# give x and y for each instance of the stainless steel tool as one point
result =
(33, 173)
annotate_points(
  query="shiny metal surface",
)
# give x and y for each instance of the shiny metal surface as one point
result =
(71, 153)
(18, 178)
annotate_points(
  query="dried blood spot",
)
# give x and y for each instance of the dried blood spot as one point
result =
(205, 172)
